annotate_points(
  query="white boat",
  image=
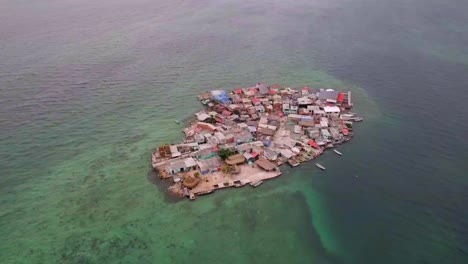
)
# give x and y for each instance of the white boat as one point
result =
(320, 166)
(255, 184)
(337, 152)
(177, 121)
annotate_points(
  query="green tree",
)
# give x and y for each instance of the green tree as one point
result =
(211, 120)
(225, 153)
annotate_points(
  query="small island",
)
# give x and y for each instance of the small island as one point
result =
(244, 136)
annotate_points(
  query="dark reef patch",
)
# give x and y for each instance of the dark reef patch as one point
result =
(153, 177)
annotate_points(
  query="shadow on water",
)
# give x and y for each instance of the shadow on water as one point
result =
(276, 228)
(163, 185)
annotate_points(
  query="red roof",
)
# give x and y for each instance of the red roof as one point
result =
(238, 91)
(255, 100)
(272, 92)
(274, 86)
(305, 88)
(227, 113)
(253, 89)
(313, 144)
(254, 154)
(345, 131)
(340, 97)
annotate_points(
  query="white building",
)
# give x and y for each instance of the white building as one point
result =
(286, 153)
(325, 134)
(202, 116)
(297, 129)
(332, 110)
(319, 113)
(323, 122)
(304, 101)
(221, 137)
(174, 151)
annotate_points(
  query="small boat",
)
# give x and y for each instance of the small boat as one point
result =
(177, 121)
(337, 152)
(358, 119)
(320, 166)
(255, 184)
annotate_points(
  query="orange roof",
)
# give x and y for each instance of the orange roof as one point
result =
(265, 164)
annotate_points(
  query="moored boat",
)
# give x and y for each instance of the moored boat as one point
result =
(337, 152)
(320, 166)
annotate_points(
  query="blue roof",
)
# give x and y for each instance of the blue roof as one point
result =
(220, 96)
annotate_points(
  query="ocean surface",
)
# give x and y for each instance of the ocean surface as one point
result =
(88, 89)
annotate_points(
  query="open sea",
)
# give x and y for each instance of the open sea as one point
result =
(88, 89)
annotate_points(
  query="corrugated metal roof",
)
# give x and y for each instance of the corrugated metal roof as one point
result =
(328, 95)
(263, 88)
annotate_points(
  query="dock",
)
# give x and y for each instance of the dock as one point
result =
(247, 175)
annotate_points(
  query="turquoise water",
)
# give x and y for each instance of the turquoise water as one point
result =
(88, 90)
